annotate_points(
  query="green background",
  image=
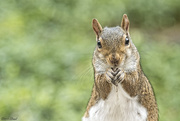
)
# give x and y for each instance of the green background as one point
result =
(46, 48)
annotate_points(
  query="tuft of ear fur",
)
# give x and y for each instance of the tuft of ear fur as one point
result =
(97, 27)
(125, 23)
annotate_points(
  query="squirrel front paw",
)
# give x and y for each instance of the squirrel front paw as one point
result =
(115, 76)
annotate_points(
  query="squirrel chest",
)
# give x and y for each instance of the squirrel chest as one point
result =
(118, 106)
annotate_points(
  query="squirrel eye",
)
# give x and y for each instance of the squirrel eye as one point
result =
(99, 44)
(126, 41)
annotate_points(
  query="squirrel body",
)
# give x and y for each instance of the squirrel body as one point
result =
(121, 91)
(118, 106)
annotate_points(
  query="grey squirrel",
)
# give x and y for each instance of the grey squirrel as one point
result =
(121, 91)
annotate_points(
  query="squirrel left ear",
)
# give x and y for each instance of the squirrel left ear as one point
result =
(96, 27)
(125, 23)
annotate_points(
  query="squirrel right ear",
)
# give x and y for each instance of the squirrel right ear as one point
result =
(97, 27)
(125, 23)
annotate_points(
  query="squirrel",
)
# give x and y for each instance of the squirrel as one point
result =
(121, 91)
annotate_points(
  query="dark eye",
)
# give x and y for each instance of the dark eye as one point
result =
(126, 41)
(99, 44)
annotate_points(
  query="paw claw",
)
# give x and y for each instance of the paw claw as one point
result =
(115, 76)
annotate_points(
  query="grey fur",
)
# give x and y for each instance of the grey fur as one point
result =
(112, 35)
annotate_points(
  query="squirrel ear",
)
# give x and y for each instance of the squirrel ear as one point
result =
(97, 27)
(125, 23)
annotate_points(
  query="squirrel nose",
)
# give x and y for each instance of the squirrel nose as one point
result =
(114, 59)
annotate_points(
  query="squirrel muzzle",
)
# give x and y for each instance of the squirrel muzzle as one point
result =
(113, 59)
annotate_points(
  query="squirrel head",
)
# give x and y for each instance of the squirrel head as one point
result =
(115, 48)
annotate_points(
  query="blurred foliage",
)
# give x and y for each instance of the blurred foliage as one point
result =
(46, 49)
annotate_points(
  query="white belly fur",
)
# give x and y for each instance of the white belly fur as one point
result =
(119, 106)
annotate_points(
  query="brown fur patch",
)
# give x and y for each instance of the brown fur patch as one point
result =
(101, 90)
(136, 84)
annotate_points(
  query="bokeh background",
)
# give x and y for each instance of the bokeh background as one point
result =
(46, 49)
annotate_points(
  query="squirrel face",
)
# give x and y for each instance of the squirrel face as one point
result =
(114, 48)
